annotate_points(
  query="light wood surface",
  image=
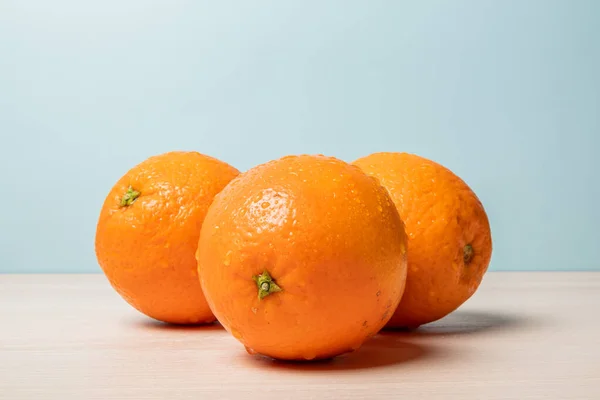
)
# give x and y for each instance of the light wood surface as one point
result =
(522, 336)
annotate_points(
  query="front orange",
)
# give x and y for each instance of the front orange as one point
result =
(148, 232)
(449, 238)
(303, 257)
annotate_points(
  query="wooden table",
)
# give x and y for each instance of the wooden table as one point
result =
(522, 336)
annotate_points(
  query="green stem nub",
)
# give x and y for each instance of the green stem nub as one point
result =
(468, 254)
(129, 197)
(265, 284)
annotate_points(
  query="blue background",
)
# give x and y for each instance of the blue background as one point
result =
(505, 93)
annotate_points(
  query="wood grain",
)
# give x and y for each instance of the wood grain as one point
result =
(522, 336)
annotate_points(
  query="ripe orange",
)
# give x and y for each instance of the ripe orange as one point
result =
(148, 231)
(302, 257)
(449, 238)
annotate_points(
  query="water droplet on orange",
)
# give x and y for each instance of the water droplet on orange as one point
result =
(236, 334)
(227, 259)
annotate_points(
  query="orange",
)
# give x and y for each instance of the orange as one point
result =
(302, 257)
(449, 238)
(148, 231)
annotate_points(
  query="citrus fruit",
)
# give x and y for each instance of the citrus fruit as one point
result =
(449, 238)
(302, 257)
(148, 229)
